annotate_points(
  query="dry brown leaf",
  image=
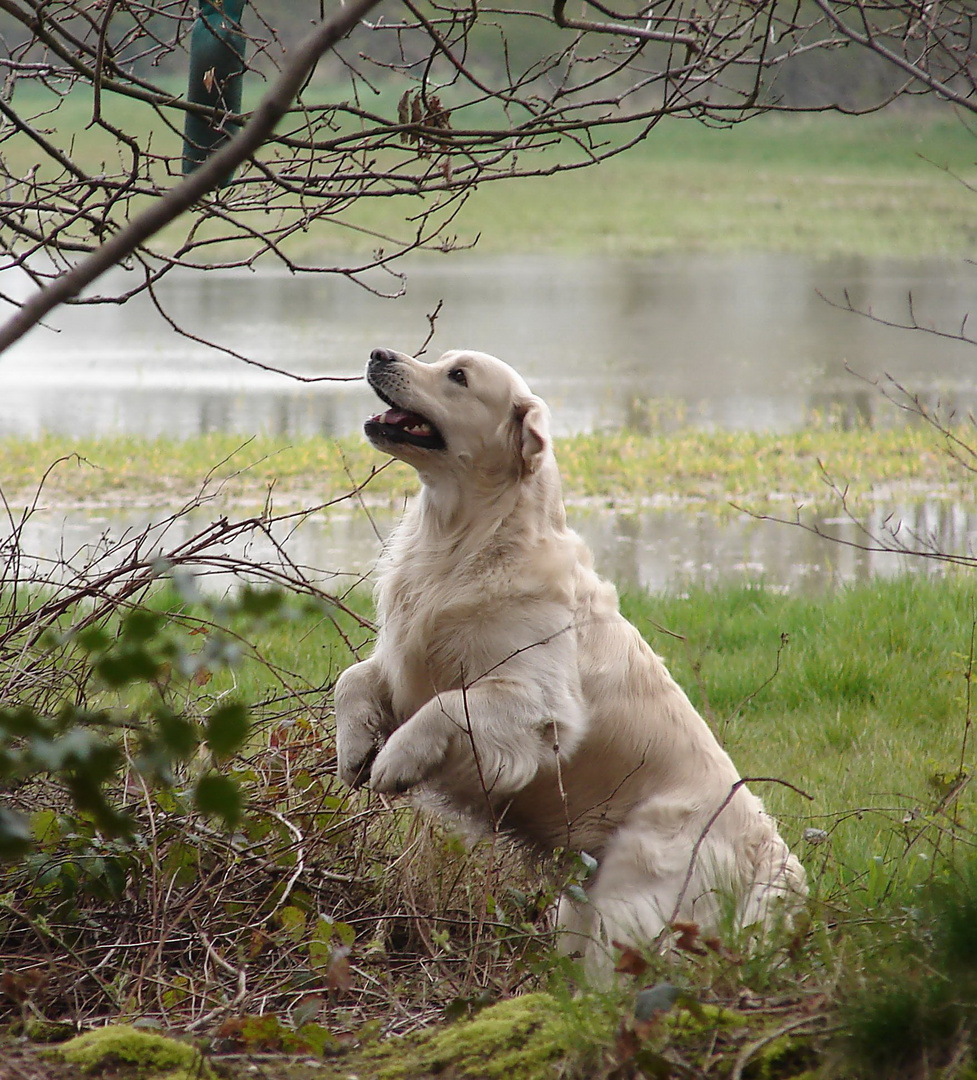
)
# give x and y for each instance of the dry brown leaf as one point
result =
(339, 977)
(630, 962)
(688, 937)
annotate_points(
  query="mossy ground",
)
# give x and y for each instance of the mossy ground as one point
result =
(534, 1036)
(146, 1053)
(523, 1038)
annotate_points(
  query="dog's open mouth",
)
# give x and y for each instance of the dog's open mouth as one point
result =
(401, 426)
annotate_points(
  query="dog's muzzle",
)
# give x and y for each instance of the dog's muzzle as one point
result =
(388, 375)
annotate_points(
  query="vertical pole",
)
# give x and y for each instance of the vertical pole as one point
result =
(216, 79)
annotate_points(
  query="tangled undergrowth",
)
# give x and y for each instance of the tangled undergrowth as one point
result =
(138, 896)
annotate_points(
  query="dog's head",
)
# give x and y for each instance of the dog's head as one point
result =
(467, 412)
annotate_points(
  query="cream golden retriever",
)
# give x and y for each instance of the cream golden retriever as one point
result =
(506, 686)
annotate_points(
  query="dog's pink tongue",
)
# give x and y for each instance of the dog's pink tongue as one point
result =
(395, 416)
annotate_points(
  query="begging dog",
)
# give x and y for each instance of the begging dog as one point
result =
(506, 687)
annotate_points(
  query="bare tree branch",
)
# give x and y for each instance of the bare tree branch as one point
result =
(180, 198)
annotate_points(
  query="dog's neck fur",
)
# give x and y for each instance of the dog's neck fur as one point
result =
(468, 511)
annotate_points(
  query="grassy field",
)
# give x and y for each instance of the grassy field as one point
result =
(687, 464)
(887, 184)
(864, 707)
(858, 697)
(814, 184)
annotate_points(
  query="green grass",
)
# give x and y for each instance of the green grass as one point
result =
(857, 698)
(815, 184)
(867, 710)
(689, 463)
(883, 184)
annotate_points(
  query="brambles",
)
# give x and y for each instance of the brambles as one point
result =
(136, 712)
(180, 847)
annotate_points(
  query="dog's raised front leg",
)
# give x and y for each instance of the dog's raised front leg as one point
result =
(362, 719)
(491, 737)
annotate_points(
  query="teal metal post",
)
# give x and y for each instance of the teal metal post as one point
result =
(216, 79)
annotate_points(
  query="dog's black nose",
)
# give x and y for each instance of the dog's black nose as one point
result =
(383, 356)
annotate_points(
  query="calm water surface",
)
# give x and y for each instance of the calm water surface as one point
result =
(740, 342)
(732, 341)
(652, 548)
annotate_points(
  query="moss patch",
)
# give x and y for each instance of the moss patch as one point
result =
(147, 1053)
(539, 1036)
(525, 1038)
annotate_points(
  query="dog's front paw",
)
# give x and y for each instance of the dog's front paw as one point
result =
(356, 749)
(404, 762)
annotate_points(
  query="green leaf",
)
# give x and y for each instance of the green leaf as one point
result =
(15, 835)
(87, 795)
(127, 665)
(140, 626)
(589, 864)
(22, 722)
(345, 933)
(177, 734)
(293, 922)
(227, 728)
(79, 749)
(316, 1039)
(218, 795)
(94, 639)
(46, 827)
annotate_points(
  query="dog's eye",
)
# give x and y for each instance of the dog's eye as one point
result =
(458, 375)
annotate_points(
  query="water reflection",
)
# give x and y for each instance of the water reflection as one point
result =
(674, 549)
(652, 548)
(734, 341)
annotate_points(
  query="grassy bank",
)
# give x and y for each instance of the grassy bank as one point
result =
(824, 185)
(886, 184)
(687, 464)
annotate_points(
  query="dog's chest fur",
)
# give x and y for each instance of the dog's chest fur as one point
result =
(443, 632)
(439, 639)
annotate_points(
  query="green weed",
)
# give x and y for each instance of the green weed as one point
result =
(689, 463)
(914, 1012)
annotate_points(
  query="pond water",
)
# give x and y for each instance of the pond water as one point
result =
(651, 547)
(745, 342)
(733, 341)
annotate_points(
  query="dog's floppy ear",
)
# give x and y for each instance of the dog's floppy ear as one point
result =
(533, 427)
